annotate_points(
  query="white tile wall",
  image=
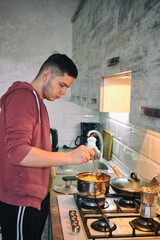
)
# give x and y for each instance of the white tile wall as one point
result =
(66, 116)
(117, 148)
(71, 121)
(141, 142)
(56, 121)
(138, 149)
(130, 158)
(112, 125)
(90, 118)
(67, 136)
(155, 149)
(123, 133)
(147, 168)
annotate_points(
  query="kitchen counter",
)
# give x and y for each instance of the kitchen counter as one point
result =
(54, 211)
(57, 233)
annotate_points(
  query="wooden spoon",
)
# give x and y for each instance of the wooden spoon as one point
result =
(99, 173)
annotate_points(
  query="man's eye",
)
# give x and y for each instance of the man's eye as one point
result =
(63, 85)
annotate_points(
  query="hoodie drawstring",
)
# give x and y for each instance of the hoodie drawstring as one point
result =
(38, 105)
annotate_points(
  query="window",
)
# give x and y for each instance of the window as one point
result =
(115, 94)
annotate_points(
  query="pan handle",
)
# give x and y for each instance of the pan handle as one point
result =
(69, 178)
(117, 172)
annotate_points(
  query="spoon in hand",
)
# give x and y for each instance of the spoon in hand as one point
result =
(99, 173)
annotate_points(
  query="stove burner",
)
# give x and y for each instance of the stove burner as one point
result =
(144, 224)
(101, 225)
(93, 202)
(126, 203)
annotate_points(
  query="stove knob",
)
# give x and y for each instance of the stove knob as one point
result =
(75, 228)
(74, 222)
(74, 217)
(72, 212)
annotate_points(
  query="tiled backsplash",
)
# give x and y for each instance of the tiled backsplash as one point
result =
(138, 149)
(66, 116)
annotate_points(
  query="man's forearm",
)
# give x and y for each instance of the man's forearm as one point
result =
(41, 158)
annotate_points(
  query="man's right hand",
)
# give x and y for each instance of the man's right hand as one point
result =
(81, 155)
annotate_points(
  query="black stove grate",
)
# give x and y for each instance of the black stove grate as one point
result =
(119, 214)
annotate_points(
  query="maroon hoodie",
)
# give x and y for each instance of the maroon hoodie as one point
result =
(24, 123)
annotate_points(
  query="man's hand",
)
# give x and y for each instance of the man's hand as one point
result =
(81, 154)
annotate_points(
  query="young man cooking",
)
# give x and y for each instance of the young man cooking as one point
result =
(25, 149)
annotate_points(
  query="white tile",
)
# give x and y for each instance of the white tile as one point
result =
(130, 158)
(56, 121)
(141, 142)
(104, 122)
(123, 133)
(117, 148)
(147, 168)
(90, 118)
(120, 117)
(67, 136)
(71, 108)
(112, 126)
(155, 149)
(88, 111)
(62, 107)
(71, 121)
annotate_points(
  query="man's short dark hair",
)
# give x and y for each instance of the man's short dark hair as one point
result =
(59, 64)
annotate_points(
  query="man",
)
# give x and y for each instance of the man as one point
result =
(25, 149)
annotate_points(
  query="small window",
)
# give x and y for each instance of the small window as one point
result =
(115, 94)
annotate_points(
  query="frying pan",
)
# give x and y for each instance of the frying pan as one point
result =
(128, 187)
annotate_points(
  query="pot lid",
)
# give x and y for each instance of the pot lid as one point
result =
(132, 184)
(72, 189)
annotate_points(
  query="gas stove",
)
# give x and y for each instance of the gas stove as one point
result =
(107, 218)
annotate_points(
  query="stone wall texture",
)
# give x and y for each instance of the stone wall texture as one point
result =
(129, 29)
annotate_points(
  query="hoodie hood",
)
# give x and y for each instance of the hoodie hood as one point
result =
(22, 85)
(16, 85)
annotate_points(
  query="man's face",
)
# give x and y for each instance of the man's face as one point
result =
(55, 87)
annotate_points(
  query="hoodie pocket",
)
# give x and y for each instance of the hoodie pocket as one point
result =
(30, 183)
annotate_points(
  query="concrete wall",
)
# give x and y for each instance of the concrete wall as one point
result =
(128, 29)
(31, 31)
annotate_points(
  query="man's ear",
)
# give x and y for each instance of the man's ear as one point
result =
(46, 75)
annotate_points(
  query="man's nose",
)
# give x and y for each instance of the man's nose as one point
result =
(63, 91)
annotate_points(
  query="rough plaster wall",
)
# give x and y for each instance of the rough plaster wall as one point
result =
(129, 29)
(30, 31)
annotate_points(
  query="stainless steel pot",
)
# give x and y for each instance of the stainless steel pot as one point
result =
(92, 189)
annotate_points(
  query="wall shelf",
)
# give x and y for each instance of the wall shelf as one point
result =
(150, 112)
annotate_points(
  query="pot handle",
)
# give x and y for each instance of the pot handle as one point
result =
(117, 172)
(69, 178)
(134, 177)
